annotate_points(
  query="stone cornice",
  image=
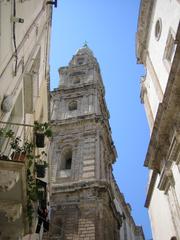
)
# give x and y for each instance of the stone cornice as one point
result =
(80, 185)
(81, 88)
(151, 188)
(144, 20)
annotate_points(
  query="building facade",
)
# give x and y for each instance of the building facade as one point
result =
(85, 200)
(24, 79)
(158, 49)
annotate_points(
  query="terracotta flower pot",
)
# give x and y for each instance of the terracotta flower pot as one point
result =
(18, 156)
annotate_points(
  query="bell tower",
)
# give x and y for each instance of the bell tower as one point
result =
(82, 155)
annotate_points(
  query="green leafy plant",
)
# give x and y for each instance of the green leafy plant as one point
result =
(5, 135)
(41, 159)
(24, 149)
(43, 128)
(32, 195)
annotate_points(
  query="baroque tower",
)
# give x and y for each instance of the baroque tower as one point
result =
(83, 153)
(82, 190)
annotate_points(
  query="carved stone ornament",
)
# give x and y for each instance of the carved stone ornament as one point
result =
(166, 180)
(7, 103)
(8, 179)
(12, 210)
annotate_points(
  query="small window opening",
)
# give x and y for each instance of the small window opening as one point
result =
(72, 106)
(77, 80)
(158, 29)
(68, 163)
(80, 61)
(66, 160)
(170, 50)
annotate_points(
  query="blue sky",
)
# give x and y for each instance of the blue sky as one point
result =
(109, 27)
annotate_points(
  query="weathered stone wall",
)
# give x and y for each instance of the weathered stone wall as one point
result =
(83, 215)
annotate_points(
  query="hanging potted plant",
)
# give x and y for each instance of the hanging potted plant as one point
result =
(41, 130)
(41, 165)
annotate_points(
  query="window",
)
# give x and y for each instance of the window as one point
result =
(72, 106)
(66, 159)
(80, 61)
(169, 50)
(76, 80)
(68, 163)
(158, 29)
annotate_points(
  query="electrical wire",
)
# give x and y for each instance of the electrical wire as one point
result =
(14, 37)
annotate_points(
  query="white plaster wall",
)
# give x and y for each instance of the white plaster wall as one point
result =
(5, 33)
(176, 174)
(151, 94)
(30, 36)
(28, 42)
(169, 12)
(160, 216)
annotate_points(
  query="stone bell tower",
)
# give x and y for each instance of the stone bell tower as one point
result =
(82, 155)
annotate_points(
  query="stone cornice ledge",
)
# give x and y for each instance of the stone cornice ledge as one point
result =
(144, 20)
(151, 188)
(80, 185)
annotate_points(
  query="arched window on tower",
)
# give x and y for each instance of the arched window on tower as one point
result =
(66, 159)
(65, 163)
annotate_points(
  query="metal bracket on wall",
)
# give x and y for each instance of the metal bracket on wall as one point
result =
(53, 3)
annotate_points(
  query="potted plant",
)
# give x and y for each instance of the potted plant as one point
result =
(17, 154)
(21, 151)
(41, 164)
(41, 130)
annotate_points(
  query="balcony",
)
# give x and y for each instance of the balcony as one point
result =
(22, 185)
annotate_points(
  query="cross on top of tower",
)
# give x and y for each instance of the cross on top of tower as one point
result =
(85, 44)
